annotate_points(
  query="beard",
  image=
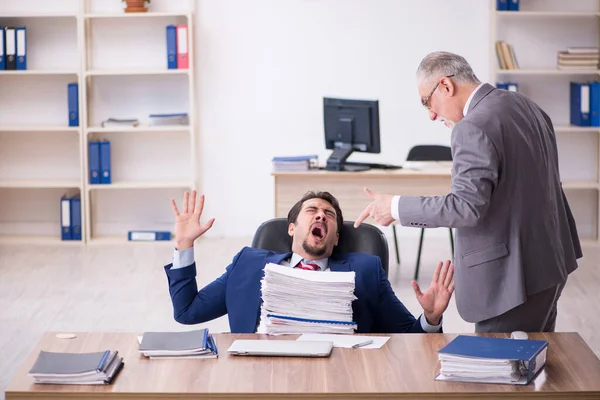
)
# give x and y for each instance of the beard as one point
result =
(315, 251)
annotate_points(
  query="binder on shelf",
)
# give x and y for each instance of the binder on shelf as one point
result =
(502, 5)
(595, 103)
(65, 219)
(75, 218)
(491, 360)
(11, 48)
(580, 104)
(510, 86)
(182, 47)
(148, 236)
(21, 32)
(105, 175)
(513, 5)
(94, 161)
(171, 47)
(73, 103)
(2, 49)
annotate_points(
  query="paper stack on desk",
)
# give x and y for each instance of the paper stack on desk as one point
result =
(299, 301)
(191, 344)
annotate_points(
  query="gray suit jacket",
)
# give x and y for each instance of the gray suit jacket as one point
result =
(515, 234)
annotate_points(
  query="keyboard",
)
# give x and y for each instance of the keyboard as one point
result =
(373, 165)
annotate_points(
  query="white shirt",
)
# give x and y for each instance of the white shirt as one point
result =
(185, 258)
(396, 199)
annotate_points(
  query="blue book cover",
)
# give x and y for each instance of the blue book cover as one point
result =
(105, 174)
(580, 104)
(21, 47)
(65, 219)
(502, 5)
(94, 162)
(73, 103)
(148, 236)
(513, 5)
(76, 218)
(595, 104)
(171, 47)
(2, 49)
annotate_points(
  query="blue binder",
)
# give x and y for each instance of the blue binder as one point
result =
(513, 5)
(171, 47)
(510, 86)
(530, 353)
(502, 5)
(105, 175)
(73, 103)
(595, 104)
(94, 161)
(2, 49)
(148, 236)
(21, 47)
(580, 104)
(65, 219)
(76, 218)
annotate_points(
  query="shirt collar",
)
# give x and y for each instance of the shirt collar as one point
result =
(323, 263)
(466, 108)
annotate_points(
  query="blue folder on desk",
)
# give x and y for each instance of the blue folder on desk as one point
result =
(491, 360)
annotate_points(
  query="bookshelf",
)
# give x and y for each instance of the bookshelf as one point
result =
(537, 32)
(119, 61)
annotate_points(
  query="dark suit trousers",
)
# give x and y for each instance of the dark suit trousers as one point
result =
(537, 314)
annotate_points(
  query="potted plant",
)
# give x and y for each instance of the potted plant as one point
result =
(136, 5)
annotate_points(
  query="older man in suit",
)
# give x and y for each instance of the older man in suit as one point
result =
(516, 239)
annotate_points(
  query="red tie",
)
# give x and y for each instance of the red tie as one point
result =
(308, 266)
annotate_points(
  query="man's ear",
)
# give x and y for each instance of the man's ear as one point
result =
(291, 227)
(448, 86)
(337, 239)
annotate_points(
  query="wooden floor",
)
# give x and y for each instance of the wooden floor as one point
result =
(123, 288)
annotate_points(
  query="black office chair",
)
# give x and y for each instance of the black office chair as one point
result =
(425, 153)
(273, 235)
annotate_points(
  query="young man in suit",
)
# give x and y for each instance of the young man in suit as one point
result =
(314, 224)
(516, 239)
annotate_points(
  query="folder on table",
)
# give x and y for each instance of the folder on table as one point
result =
(171, 47)
(94, 162)
(76, 218)
(65, 219)
(10, 37)
(21, 32)
(105, 174)
(182, 47)
(148, 236)
(580, 104)
(491, 360)
(73, 103)
(2, 49)
(192, 344)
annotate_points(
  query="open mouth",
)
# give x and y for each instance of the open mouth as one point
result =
(318, 231)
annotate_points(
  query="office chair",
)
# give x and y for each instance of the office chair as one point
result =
(273, 235)
(425, 153)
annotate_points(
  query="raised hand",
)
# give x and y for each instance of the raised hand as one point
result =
(436, 298)
(187, 223)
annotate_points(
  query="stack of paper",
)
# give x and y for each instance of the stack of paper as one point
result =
(192, 344)
(120, 122)
(297, 163)
(299, 301)
(578, 58)
(76, 368)
(169, 119)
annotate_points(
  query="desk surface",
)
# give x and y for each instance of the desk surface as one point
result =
(403, 368)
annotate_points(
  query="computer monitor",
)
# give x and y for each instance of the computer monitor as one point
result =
(350, 125)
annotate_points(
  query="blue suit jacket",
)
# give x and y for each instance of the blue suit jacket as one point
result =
(237, 293)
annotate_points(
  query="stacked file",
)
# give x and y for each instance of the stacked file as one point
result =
(578, 58)
(300, 301)
(491, 360)
(76, 368)
(120, 122)
(168, 119)
(297, 163)
(192, 344)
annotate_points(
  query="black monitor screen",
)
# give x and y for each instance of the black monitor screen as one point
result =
(351, 124)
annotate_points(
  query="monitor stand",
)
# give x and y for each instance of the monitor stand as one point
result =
(337, 161)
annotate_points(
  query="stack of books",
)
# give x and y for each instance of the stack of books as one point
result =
(76, 368)
(297, 163)
(578, 58)
(191, 344)
(506, 55)
(491, 360)
(120, 122)
(297, 301)
(168, 119)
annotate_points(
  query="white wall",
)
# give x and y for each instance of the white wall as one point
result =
(263, 67)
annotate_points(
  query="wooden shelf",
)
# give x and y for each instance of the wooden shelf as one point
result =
(39, 72)
(576, 129)
(122, 72)
(40, 184)
(574, 185)
(145, 128)
(38, 240)
(33, 15)
(141, 185)
(546, 14)
(42, 128)
(547, 72)
(138, 15)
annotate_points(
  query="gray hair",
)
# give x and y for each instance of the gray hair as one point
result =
(442, 63)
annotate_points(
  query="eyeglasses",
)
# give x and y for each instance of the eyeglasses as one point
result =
(425, 101)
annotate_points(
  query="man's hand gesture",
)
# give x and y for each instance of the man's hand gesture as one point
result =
(436, 298)
(187, 223)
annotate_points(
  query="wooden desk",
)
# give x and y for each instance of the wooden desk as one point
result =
(347, 187)
(404, 368)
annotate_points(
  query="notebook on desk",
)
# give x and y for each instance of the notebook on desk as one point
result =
(280, 348)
